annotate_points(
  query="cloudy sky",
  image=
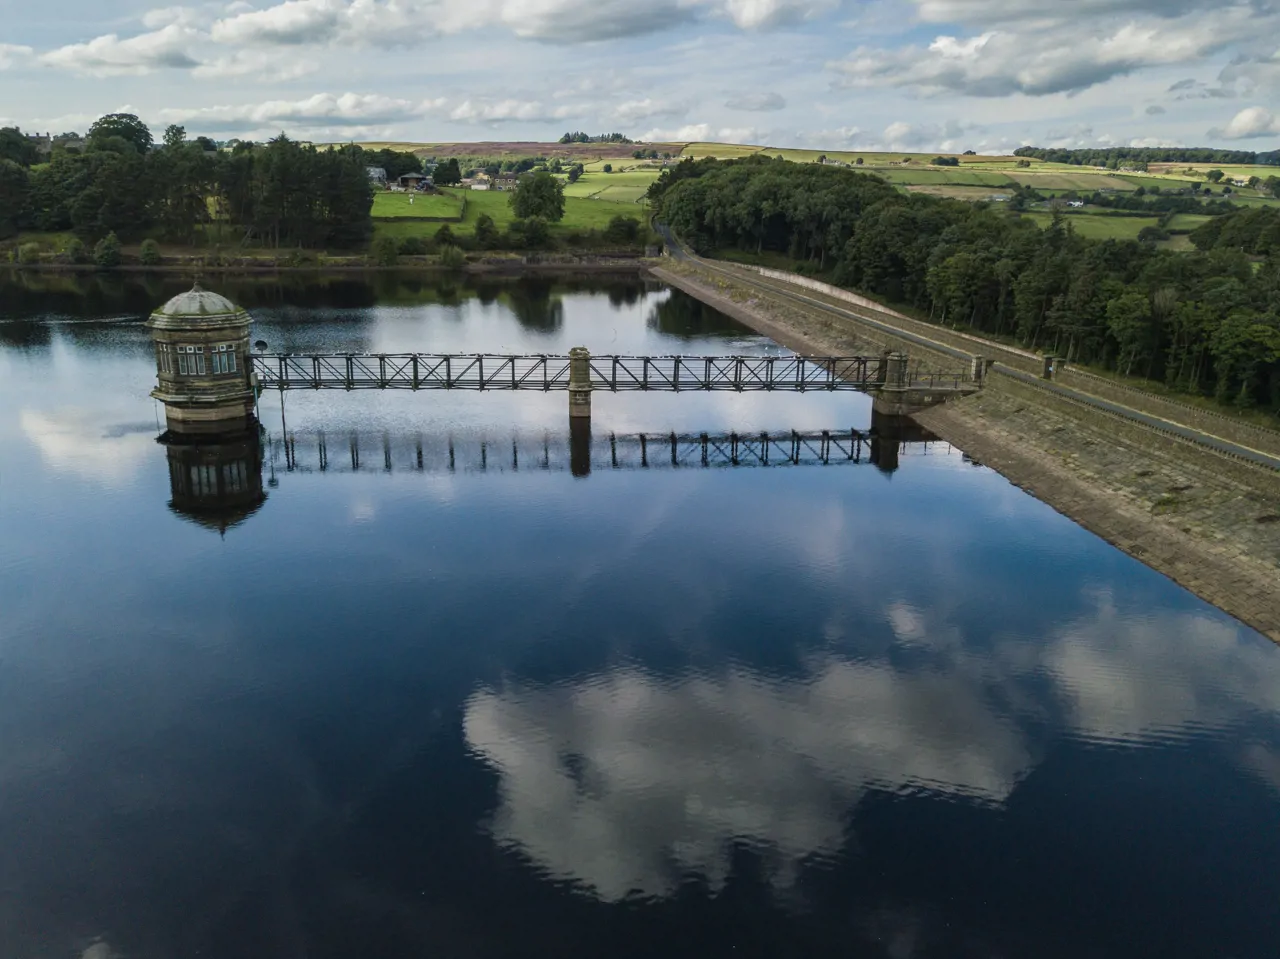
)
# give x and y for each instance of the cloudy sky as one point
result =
(987, 75)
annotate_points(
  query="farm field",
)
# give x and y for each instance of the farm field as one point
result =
(1229, 170)
(1087, 182)
(518, 148)
(388, 204)
(625, 187)
(1100, 227)
(1255, 200)
(580, 213)
(906, 176)
(954, 191)
(1187, 221)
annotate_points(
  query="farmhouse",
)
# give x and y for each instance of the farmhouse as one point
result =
(505, 181)
(44, 143)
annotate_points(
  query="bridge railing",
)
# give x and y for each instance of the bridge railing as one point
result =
(616, 373)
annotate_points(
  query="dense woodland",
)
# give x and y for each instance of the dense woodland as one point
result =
(1134, 156)
(1206, 322)
(280, 193)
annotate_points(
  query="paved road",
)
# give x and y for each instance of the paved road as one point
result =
(776, 288)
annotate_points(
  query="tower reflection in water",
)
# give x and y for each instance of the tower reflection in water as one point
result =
(203, 378)
(215, 480)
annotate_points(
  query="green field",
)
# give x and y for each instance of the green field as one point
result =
(1187, 221)
(1255, 200)
(956, 192)
(580, 214)
(1095, 227)
(388, 204)
(906, 176)
(1229, 170)
(1073, 180)
(628, 186)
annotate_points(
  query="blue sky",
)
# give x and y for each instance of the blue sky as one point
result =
(987, 75)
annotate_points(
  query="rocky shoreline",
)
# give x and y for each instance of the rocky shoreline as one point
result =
(1208, 522)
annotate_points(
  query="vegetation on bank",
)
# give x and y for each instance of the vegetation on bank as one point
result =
(1204, 322)
(277, 194)
(290, 201)
(1142, 157)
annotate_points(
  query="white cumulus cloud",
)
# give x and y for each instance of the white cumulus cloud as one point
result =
(1249, 123)
(632, 111)
(321, 110)
(1040, 58)
(702, 133)
(109, 55)
(756, 102)
(12, 54)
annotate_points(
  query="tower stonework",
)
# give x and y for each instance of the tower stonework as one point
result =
(203, 372)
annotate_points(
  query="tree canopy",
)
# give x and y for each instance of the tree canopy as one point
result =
(15, 147)
(539, 195)
(1202, 322)
(447, 173)
(126, 126)
(577, 136)
(1133, 155)
(279, 193)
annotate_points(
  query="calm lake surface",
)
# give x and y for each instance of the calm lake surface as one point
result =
(508, 710)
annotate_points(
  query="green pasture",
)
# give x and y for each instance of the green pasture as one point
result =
(1078, 181)
(1231, 171)
(580, 213)
(1096, 227)
(908, 176)
(1255, 200)
(388, 204)
(1187, 221)
(628, 186)
(955, 191)
(723, 151)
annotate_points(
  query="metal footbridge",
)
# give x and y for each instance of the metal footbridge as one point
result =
(614, 373)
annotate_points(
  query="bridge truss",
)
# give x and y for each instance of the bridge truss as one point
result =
(616, 373)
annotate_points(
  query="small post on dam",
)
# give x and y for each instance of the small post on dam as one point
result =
(579, 383)
(896, 371)
(978, 366)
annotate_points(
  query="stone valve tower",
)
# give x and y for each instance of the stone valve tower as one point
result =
(203, 372)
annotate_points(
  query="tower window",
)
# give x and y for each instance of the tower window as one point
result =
(191, 360)
(224, 358)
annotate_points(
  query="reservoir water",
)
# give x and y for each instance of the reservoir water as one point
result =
(395, 705)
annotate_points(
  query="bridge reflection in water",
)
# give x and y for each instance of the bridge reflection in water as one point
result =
(216, 480)
(581, 450)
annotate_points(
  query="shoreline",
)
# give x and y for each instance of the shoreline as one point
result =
(1209, 524)
(602, 264)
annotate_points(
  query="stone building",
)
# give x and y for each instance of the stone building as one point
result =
(205, 381)
(203, 372)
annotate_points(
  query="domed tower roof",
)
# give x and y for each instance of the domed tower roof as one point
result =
(195, 309)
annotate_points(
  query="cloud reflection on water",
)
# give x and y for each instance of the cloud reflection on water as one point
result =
(630, 782)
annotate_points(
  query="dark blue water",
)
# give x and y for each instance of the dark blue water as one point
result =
(391, 711)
